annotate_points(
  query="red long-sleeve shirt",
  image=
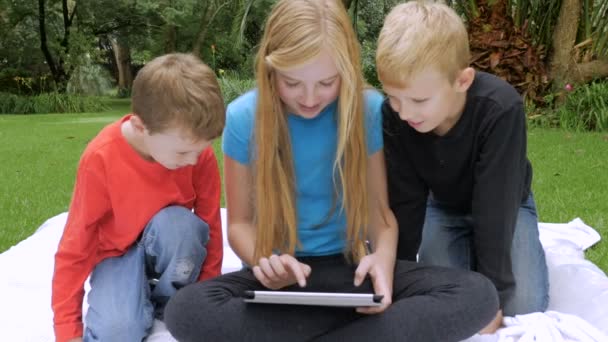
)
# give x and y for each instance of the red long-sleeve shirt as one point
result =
(116, 194)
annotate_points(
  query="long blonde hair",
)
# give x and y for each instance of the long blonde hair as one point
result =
(295, 33)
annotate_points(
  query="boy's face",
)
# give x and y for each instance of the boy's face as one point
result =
(172, 148)
(306, 90)
(430, 102)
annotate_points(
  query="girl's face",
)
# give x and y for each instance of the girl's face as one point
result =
(306, 90)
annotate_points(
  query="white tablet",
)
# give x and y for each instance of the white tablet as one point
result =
(313, 298)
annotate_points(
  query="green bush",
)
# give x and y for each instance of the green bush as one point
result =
(233, 85)
(368, 61)
(123, 93)
(585, 108)
(49, 103)
(7, 102)
(541, 117)
(89, 79)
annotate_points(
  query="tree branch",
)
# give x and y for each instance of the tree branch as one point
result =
(585, 72)
(196, 48)
(73, 14)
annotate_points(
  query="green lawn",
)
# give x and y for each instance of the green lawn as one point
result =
(39, 156)
(40, 153)
(571, 180)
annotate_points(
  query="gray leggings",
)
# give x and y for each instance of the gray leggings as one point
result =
(429, 304)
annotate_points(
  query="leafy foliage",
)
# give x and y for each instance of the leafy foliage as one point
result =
(600, 23)
(89, 79)
(54, 102)
(233, 85)
(585, 108)
(510, 38)
(500, 47)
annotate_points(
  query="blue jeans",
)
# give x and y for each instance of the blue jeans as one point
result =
(129, 291)
(447, 240)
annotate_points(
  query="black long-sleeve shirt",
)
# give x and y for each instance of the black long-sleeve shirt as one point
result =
(478, 167)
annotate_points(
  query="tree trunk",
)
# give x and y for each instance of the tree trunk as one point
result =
(206, 21)
(564, 38)
(57, 70)
(564, 67)
(170, 38)
(122, 54)
(202, 30)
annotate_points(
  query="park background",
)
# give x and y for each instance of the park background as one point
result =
(66, 69)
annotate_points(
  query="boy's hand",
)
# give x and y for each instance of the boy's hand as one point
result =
(381, 271)
(277, 271)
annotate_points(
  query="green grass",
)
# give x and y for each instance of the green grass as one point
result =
(571, 180)
(39, 158)
(40, 154)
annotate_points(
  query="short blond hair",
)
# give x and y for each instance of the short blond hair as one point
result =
(419, 35)
(179, 91)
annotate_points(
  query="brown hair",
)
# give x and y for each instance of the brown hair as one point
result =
(179, 90)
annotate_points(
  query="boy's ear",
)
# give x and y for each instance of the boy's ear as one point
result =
(137, 124)
(465, 79)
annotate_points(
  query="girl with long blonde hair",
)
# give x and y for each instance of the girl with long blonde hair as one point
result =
(307, 203)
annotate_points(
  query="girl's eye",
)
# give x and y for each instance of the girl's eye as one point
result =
(419, 100)
(291, 85)
(327, 84)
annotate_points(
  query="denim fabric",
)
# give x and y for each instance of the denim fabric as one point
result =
(447, 240)
(128, 291)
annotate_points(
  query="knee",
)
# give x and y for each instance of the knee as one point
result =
(183, 223)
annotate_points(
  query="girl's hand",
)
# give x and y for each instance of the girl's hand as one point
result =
(279, 271)
(380, 269)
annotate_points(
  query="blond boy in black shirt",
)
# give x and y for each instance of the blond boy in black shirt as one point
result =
(455, 144)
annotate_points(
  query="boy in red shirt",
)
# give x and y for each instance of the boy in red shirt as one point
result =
(144, 219)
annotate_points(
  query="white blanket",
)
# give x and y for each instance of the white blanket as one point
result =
(578, 305)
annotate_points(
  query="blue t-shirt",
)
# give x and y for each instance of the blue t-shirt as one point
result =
(314, 143)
